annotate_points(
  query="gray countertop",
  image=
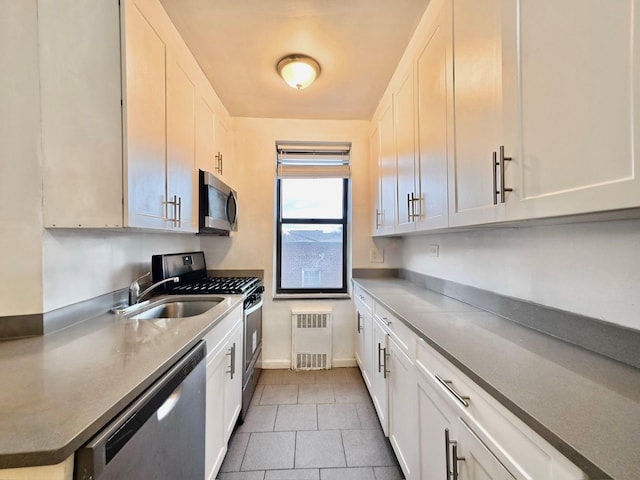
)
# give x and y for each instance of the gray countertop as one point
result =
(586, 405)
(58, 390)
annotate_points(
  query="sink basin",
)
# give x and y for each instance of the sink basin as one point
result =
(170, 307)
(179, 309)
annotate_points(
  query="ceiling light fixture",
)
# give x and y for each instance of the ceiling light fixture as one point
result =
(299, 71)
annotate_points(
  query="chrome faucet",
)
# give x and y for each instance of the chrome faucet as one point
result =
(134, 289)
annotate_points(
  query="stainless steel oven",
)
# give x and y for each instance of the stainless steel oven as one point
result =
(252, 345)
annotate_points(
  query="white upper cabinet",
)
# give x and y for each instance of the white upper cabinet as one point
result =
(181, 173)
(477, 111)
(577, 100)
(224, 148)
(386, 213)
(205, 135)
(404, 125)
(120, 96)
(435, 88)
(81, 113)
(145, 121)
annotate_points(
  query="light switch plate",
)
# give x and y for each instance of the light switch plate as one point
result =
(434, 250)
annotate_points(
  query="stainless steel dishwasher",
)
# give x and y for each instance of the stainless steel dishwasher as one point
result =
(159, 436)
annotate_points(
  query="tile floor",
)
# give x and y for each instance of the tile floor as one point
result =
(315, 425)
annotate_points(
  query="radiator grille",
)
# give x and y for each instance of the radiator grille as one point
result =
(311, 361)
(311, 339)
(312, 320)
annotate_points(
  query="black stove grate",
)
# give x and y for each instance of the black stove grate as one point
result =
(218, 285)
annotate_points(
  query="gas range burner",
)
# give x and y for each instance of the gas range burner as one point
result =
(218, 285)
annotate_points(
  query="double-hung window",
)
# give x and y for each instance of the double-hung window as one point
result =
(312, 208)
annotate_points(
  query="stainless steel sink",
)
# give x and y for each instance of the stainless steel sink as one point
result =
(170, 307)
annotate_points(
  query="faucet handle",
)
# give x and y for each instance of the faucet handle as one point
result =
(134, 289)
(137, 280)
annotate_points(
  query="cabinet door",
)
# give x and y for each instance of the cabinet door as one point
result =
(81, 113)
(145, 114)
(379, 392)
(577, 109)
(476, 460)
(435, 90)
(224, 149)
(205, 135)
(434, 419)
(374, 172)
(181, 174)
(233, 381)
(364, 343)
(404, 125)
(477, 65)
(215, 442)
(387, 173)
(403, 411)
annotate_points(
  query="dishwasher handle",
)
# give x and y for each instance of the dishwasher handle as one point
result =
(159, 399)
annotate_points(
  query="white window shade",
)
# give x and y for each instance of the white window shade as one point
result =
(318, 160)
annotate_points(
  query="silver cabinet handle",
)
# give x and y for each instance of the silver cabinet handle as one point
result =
(503, 189)
(448, 385)
(179, 207)
(359, 325)
(219, 163)
(382, 361)
(455, 458)
(494, 167)
(385, 372)
(409, 205)
(447, 442)
(412, 199)
(232, 364)
(378, 219)
(175, 203)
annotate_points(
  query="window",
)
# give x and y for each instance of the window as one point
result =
(312, 210)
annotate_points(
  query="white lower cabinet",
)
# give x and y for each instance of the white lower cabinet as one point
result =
(403, 410)
(442, 425)
(379, 384)
(224, 388)
(434, 421)
(364, 343)
(485, 440)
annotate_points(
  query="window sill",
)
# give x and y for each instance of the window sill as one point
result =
(312, 296)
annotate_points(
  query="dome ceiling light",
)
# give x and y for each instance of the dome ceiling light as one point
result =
(299, 71)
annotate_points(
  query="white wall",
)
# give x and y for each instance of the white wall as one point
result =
(591, 269)
(253, 245)
(83, 264)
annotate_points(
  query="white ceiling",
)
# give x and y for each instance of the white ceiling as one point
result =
(238, 43)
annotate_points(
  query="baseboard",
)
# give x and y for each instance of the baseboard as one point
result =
(344, 362)
(286, 364)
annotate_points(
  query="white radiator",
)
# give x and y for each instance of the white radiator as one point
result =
(311, 334)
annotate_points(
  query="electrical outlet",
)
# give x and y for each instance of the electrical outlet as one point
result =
(376, 255)
(434, 250)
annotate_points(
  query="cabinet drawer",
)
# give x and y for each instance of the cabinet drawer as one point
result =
(216, 337)
(513, 442)
(401, 334)
(363, 297)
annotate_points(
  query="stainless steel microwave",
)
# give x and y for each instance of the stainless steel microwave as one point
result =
(218, 206)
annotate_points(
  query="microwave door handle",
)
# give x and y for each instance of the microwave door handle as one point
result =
(232, 199)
